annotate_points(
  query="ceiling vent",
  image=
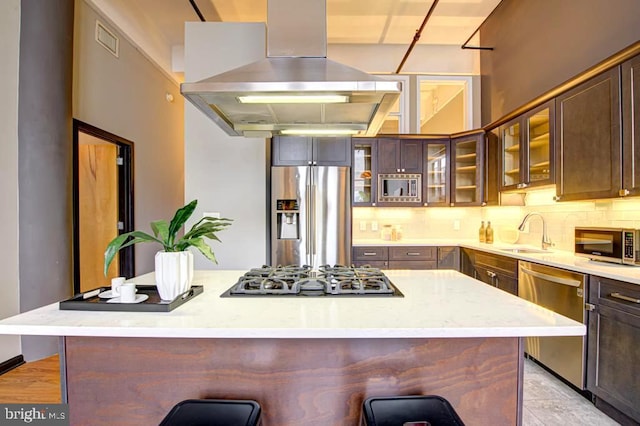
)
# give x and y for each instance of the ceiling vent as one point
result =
(107, 39)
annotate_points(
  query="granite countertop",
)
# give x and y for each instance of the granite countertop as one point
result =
(557, 258)
(442, 304)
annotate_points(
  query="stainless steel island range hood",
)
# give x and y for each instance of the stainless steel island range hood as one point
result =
(296, 89)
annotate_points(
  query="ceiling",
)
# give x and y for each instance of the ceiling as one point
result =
(157, 26)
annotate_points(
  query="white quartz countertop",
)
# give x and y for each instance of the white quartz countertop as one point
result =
(558, 258)
(436, 304)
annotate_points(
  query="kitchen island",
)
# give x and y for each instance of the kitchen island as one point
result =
(306, 360)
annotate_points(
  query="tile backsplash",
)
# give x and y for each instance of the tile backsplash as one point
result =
(463, 223)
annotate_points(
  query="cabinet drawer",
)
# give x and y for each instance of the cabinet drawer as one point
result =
(380, 264)
(413, 264)
(505, 264)
(413, 253)
(615, 294)
(370, 253)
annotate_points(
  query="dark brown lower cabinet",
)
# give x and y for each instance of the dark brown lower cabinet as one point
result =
(407, 257)
(413, 257)
(449, 258)
(613, 370)
(374, 256)
(498, 271)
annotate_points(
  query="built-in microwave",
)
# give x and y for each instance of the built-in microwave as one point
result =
(618, 245)
(400, 187)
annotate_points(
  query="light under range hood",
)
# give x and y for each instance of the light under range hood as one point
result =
(296, 89)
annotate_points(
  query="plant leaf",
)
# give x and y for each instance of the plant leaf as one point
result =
(204, 248)
(179, 219)
(207, 227)
(160, 229)
(121, 242)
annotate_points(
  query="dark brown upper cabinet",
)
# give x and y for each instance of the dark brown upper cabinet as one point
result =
(306, 151)
(491, 193)
(364, 170)
(631, 127)
(467, 169)
(527, 149)
(436, 178)
(399, 155)
(588, 150)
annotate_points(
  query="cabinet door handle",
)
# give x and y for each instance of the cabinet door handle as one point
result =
(491, 274)
(617, 295)
(413, 253)
(403, 170)
(370, 253)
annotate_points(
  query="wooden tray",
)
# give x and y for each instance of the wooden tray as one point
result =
(89, 301)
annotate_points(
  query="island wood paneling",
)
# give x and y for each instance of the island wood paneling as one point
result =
(133, 381)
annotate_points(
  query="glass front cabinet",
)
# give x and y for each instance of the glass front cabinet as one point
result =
(467, 169)
(364, 171)
(436, 176)
(527, 149)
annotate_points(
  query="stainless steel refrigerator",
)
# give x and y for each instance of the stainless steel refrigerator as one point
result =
(310, 215)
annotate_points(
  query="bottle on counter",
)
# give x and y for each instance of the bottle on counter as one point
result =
(489, 233)
(394, 233)
(385, 234)
(398, 232)
(482, 233)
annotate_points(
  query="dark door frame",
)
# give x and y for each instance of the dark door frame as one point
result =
(125, 197)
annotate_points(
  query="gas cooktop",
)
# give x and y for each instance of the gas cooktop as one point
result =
(327, 280)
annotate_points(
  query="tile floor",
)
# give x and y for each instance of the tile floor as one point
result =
(549, 402)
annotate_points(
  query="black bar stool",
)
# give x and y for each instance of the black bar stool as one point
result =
(213, 412)
(397, 410)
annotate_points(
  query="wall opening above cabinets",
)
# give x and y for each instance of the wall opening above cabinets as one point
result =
(445, 104)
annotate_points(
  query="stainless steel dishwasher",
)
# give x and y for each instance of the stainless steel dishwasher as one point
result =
(562, 292)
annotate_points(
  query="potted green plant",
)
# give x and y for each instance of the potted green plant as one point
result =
(174, 263)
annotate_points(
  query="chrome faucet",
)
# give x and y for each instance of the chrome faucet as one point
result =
(546, 241)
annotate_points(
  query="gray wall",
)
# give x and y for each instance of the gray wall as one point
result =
(539, 44)
(10, 284)
(226, 174)
(45, 159)
(126, 96)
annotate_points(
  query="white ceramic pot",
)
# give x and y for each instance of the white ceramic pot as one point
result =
(174, 273)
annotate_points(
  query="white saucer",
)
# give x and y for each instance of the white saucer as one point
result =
(108, 295)
(139, 298)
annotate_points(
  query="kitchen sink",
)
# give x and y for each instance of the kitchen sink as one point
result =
(524, 250)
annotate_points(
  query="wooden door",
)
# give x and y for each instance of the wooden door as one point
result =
(588, 134)
(291, 151)
(411, 156)
(467, 173)
(98, 209)
(631, 127)
(388, 156)
(332, 151)
(364, 171)
(436, 178)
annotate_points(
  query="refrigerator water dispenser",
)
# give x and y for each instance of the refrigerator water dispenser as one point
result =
(288, 217)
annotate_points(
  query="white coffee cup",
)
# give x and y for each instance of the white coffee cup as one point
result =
(127, 293)
(115, 285)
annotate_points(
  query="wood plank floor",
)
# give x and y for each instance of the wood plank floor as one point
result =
(36, 382)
